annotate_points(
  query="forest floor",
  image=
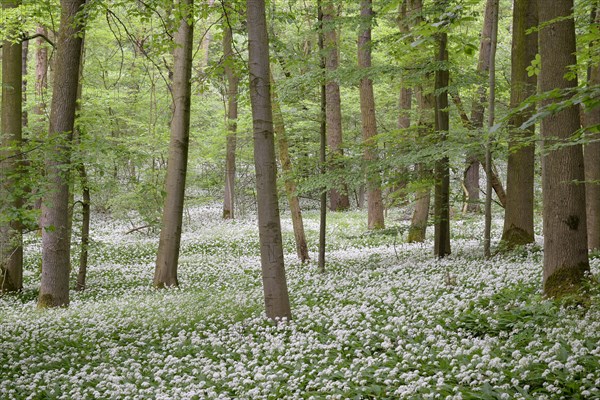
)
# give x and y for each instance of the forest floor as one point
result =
(387, 320)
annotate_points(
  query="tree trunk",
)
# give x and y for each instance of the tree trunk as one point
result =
(518, 217)
(442, 168)
(565, 234)
(165, 274)
(471, 175)
(367, 112)
(592, 157)
(277, 304)
(11, 201)
(323, 138)
(290, 183)
(24, 58)
(488, 146)
(54, 289)
(232, 115)
(41, 72)
(85, 229)
(338, 197)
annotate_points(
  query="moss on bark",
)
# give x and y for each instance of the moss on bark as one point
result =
(565, 281)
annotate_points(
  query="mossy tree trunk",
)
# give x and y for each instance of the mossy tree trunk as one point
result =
(565, 228)
(232, 115)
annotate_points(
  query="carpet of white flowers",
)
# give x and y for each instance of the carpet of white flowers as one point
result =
(386, 320)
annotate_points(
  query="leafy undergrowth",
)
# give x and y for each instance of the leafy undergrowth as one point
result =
(387, 320)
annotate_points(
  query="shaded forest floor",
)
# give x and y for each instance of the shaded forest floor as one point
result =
(386, 320)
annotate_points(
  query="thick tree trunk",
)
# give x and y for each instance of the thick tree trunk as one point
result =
(442, 168)
(369, 125)
(165, 274)
(565, 228)
(290, 183)
(518, 217)
(54, 289)
(277, 304)
(592, 158)
(11, 240)
(232, 115)
(471, 174)
(338, 198)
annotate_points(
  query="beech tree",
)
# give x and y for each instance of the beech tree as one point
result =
(11, 192)
(54, 288)
(442, 166)
(565, 234)
(592, 150)
(367, 112)
(277, 304)
(165, 274)
(518, 216)
(338, 197)
(232, 115)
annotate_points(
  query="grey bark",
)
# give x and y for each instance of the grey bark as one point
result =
(518, 216)
(232, 115)
(592, 156)
(277, 304)
(565, 228)
(54, 288)
(338, 197)
(367, 112)
(165, 274)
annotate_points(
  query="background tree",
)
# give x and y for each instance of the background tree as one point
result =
(369, 124)
(165, 274)
(565, 234)
(232, 115)
(276, 296)
(442, 167)
(592, 150)
(518, 216)
(338, 196)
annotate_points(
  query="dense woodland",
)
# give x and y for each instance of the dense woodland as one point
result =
(428, 172)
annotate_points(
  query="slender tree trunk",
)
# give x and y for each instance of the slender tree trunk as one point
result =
(338, 198)
(54, 289)
(471, 175)
(277, 304)
(323, 138)
(11, 201)
(206, 39)
(369, 125)
(518, 217)
(442, 168)
(41, 72)
(418, 224)
(488, 146)
(565, 228)
(232, 114)
(290, 183)
(592, 156)
(24, 58)
(85, 228)
(165, 274)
